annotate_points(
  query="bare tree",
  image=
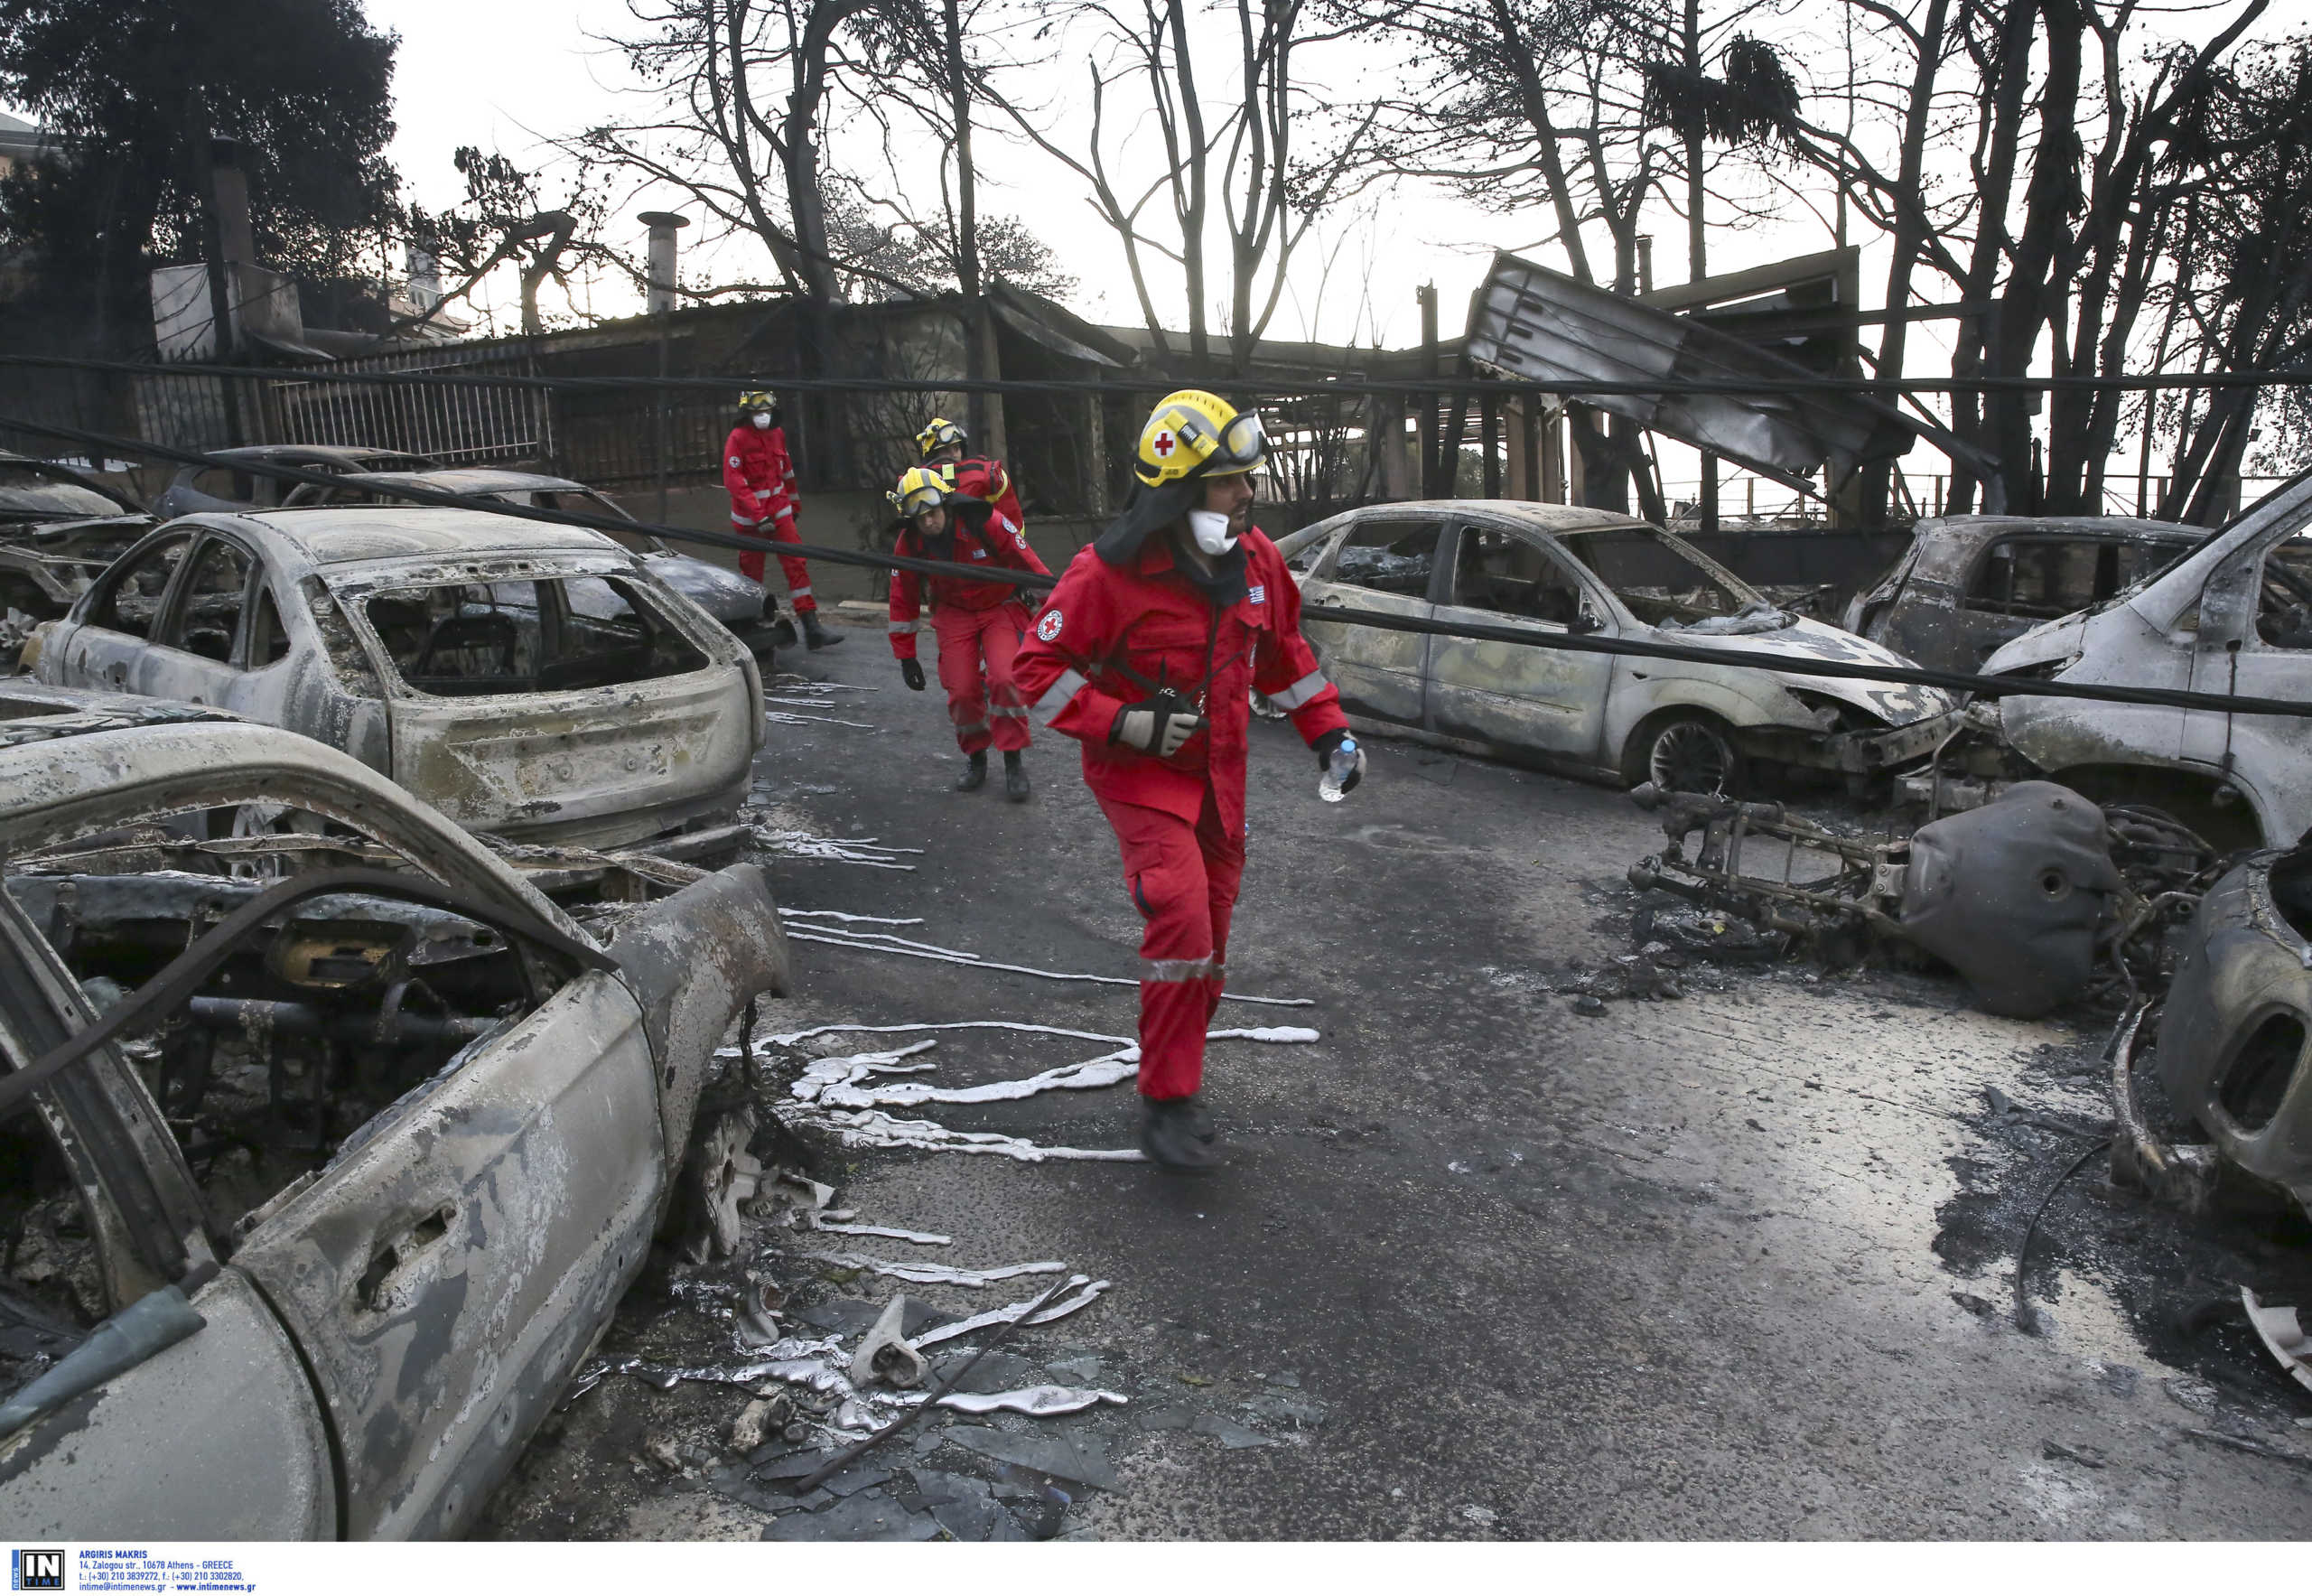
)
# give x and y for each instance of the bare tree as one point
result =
(505, 219)
(743, 90)
(1243, 143)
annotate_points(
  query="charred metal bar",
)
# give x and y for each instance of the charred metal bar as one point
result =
(294, 1018)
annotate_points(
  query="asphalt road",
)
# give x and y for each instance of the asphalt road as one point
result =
(1737, 1264)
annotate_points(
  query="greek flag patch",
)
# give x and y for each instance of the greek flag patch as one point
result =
(1259, 594)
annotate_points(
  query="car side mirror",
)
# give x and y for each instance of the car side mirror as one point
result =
(1585, 621)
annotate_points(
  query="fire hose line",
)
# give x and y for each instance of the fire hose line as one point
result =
(1982, 686)
(1346, 388)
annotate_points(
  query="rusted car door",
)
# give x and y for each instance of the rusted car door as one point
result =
(447, 1272)
(1386, 565)
(1543, 700)
(484, 728)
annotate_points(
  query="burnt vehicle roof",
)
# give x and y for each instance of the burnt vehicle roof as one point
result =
(473, 478)
(349, 534)
(1521, 512)
(34, 711)
(1945, 543)
(352, 456)
(57, 471)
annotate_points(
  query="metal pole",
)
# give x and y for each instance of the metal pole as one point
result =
(661, 302)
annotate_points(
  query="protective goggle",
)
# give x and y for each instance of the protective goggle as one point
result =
(913, 500)
(939, 435)
(1240, 445)
(757, 400)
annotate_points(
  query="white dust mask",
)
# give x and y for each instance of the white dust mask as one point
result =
(1211, 529)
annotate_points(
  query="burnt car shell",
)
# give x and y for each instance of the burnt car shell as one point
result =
(2231, 1041)
(383, 1334)
(600, 759)
(227, 484)
(1954, 597)
(725, 594)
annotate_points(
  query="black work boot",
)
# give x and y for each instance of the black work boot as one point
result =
(814, 635)
(1168, 1136)
(975, 776)
(1200, 1123)
(1015, 778)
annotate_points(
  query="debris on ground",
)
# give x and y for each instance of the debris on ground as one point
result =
(2038, 899)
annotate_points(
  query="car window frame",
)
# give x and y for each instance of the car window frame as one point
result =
(1326, 567)
(101, 592)
(180, 593)
(1586, 582)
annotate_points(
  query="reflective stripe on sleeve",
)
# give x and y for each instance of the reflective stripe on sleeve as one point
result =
(1299, 692)
(1058, 696)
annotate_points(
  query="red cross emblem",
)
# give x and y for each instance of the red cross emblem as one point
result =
(1163, 445)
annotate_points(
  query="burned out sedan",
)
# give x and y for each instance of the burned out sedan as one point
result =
(1555, 570)
(59, 527)
(537, 682)
(722, 592)
(340, 1153)
(1969, 585)
(233, 479)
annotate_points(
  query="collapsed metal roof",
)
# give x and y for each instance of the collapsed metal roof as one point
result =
(1532, 324)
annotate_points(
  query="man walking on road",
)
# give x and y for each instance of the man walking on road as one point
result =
(763, 501)
(1148, 653)
(979, 623)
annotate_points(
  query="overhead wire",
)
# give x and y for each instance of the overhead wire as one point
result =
(1807, 665)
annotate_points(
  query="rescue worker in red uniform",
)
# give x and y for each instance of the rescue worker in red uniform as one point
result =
(1148, 653)
(945, 449)
(979, 623)
(763, 501)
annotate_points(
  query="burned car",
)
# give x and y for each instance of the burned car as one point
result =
(1970, 584)
(1557, 569)
(59, 527)
(2230, 1045)
(336, 1156)
(2232, 616)
(534, 681)
(228, 482)
(722, 592)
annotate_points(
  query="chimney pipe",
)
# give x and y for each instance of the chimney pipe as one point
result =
(236, 237)
(662, 225)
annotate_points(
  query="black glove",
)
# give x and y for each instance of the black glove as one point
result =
(911, 671)
(1324, 747)
(1158, 726)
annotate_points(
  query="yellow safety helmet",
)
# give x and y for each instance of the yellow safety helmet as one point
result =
(1194, 434)
(938, 435)
(758, 399)
(920, 489)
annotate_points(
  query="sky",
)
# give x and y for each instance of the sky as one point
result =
(456, 83)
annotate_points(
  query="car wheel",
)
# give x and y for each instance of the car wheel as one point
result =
(1687, 753)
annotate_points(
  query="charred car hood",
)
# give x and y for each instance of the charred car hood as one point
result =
(1898, 704)
(2058, 643)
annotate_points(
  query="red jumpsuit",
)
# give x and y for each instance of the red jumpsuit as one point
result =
(1180, 821)
(976, 622)
(986, 479)
(763, 501)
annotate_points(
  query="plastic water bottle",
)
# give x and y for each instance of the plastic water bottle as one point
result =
(1338, 769)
